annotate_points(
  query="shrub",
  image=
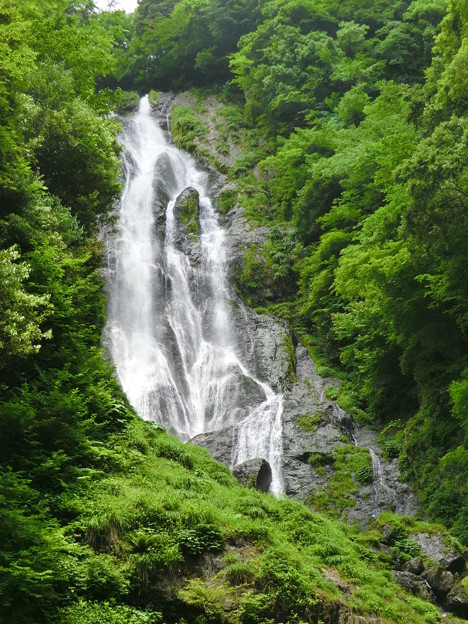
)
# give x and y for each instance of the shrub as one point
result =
(239, 573)
(129, 101)
(201, 538)
(169, 448)
(84, 612)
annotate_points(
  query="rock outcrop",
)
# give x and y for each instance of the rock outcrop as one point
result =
(254, 473)
(414, 584)
(438, 574)
(187, 223)
(438, 550)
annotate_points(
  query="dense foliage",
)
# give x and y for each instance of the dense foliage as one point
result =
(359, 114)
(58, 179)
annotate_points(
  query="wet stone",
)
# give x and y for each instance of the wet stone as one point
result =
(441, 581)
(254, 473)
(457, 600)
(414, 584)
(415, 566)
(435, 547)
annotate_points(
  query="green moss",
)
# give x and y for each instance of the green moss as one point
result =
(128, 103)
(227, 200)
(187, 129)
(391, 439)
(249, 277)
(331, 393)
(154, 96)
(309, 423)
(188, 213)
(352, 468)
(289, 350)
(319, 499)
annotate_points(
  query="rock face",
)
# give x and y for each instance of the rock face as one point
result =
(321, 443)
(317, 434)
(436, 548)
(457, 599)
(254, 473)
(441, 581)
(414, 584)
(429, 576)
(187, 220)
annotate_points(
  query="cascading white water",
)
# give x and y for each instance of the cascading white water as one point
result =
(169, 328)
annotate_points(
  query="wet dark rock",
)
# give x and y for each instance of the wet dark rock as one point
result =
(327, 427)
(186, 211)
(415, 566)
(457, 600)
(414, 584)
(187, 224)
(220, 443)
(164, 186)
(439, 551)
(162, 110)
(254, 473)
(265, 346)
(441, 581)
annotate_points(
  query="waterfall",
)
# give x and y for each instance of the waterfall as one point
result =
(170, 331)
(382, 491)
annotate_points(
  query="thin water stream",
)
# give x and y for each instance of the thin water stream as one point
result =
(170, 332)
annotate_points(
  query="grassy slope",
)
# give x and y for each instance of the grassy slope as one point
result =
(167, 529)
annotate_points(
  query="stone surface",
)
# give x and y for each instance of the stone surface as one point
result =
(186, 217)
(254, 473)
(415, 566)
(219, 443)
(441, 581)
(414, 584)
(437, 549)
(457, 600)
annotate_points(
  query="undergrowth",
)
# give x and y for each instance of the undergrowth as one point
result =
(167, 510)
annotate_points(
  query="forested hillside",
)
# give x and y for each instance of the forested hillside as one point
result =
(352, 119)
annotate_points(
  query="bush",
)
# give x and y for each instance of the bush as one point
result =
(201, 538)
(128, 103)
(169, 448)
(106, 613)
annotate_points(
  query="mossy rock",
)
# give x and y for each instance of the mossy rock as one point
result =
(186, 210)
(128, 104)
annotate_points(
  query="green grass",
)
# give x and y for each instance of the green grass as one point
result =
(186, 128)
(147, 528)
